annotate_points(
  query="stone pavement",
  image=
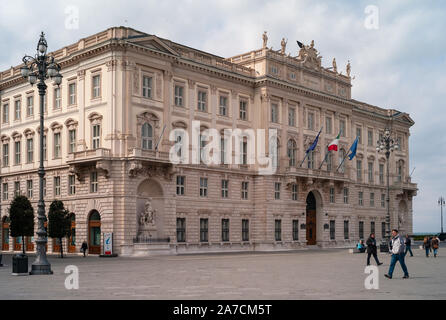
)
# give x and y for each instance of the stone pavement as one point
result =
(305, 274)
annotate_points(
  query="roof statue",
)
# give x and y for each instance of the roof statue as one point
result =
(265, 39)
(283, 44)
(348, 68)
(310, 56)
(335, 67)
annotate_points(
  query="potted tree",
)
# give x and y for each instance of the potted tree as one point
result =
(59, 223)
(21, 215)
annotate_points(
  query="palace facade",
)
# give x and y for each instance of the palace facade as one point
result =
(107, 149)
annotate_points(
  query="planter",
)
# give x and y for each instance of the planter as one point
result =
(20, 265)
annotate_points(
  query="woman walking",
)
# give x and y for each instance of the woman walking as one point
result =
(372, 249)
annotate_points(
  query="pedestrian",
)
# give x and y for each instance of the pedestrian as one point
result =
(427, 246)
(435, 245)
(360, 246)
(398, 248)
(408, 244)
(372, 249)
(84, 247)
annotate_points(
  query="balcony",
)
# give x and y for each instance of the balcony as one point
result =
(88, 156)
(318, 174)
(148, 155)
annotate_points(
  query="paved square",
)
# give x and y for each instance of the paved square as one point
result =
(306, 274)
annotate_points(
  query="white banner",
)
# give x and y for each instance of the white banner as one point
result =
(108, 243)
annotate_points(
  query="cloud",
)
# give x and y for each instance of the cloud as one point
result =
(401, 65)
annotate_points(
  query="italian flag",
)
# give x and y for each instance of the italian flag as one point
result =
(334, 144)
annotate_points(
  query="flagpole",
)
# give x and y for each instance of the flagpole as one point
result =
(325, 158)
(346, 155)
(306, 152)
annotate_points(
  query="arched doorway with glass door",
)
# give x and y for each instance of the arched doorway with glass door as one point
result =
(72, 239)
(94, 232)
(5, 233)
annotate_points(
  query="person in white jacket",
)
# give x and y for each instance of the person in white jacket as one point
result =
(398, 249)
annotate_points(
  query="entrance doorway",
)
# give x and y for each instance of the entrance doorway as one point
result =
(5, 234)
(72, 239)
(311, 219)
(94, 233)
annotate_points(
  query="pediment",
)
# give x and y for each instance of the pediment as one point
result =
(404, 117)
(154, 43)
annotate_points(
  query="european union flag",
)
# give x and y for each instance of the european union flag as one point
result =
(314, 144)
(353, 149)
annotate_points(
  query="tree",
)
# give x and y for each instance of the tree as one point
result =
(59, 222)
(21, 214)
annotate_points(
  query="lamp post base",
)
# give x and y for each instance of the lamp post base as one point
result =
(40, 269)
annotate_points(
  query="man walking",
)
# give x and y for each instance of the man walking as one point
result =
(435, 244)
(397, 255)
(408, 244)
(372, 249)
(427, 246)
(84, 247)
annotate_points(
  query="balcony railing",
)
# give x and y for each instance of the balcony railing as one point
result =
(90, 155)
(316, 173)
(149, 154)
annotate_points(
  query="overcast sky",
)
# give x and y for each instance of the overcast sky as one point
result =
(400, 65)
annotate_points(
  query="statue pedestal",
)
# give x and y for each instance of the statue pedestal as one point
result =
(148, 231)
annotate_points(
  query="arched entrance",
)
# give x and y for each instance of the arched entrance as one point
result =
(72, 239)
(150, 204)
(5, 234)
(311, 219)
(94, 233)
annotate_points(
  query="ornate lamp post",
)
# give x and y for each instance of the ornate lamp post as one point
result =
(38, 69)
(441, 203)
(386, 144)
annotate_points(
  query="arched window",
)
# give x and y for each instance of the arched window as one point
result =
(147, 136)
(291, 150)
(274, 151)
(341, 157)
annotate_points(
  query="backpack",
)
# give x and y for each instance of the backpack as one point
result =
(402, 245)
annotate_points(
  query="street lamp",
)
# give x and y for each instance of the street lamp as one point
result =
(386, 144)
(36, 70)
(441, 203)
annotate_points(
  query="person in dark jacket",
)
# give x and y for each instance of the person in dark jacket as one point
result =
(84, 247)
(372, 249)
(427, 246)
(408, 244)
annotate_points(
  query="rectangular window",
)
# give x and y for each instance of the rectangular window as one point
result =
(274, 113)
(294, 192)
(332, 230)
(18, 147)
(372, 199)
(383, 200)
(245, 190)
(223, 106)
(361, 229)
(244, 152)
(6, 155)
(360, 198)
(370, 137)
(245, 230)
(181, 229)
(223, 159)
(345, 195)
(328, 125)
(295, 230)
(71, 184)
(72, 94)
(224, 229)
(342, 127)
(372, 226)
(16, 188)
(224, 188)
(96, 86)
(292, 117)
(204, 230)
(94, 182)
(30, 150)
(57, 148)
(202, 101)
(57, 186)
(180, 185)
(203, 187)
(57, 98)
(278, 230)
(29, 189)
(359, 134)
(370, 172)
(146, 87)
(381, 173)
(6, 113)
(72, 140)
(277, 190)
(310, 121)
(5, 191)
(310, 159)
(332, 195)
(329, 161)
(17, 108)
(346, 231)
(243, 110)
(29, 106)
(179, 95)
(96, 136)
(358, 170)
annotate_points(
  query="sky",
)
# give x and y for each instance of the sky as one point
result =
(397, 51)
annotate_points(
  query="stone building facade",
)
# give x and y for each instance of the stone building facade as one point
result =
(107, 149)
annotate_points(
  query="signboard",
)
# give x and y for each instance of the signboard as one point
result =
(108, 243)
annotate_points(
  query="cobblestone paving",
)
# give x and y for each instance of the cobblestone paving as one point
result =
(305, 274)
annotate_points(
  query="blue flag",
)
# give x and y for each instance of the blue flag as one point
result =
(353, 149)
(314, 144)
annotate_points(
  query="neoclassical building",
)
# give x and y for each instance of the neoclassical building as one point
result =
(107, 147)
